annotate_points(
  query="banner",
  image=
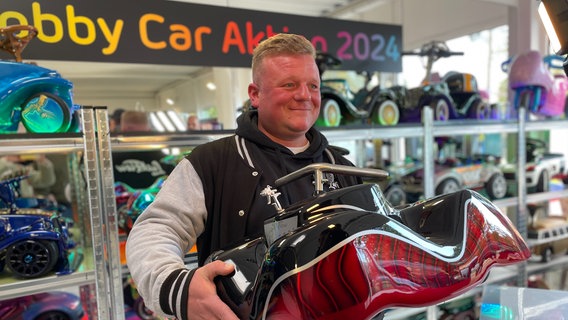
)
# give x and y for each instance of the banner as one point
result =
(178, 33)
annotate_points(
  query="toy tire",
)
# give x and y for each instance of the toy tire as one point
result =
(480, 110)
(496, 187)
(141, 310)
(395, 195)
(330, 113)
(546, 255)
(45, 112)
(441, 109)
(32, 258)
(448, 186)
(53, 315)
(543, 184)
(386, 113)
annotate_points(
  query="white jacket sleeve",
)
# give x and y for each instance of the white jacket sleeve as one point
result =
(165, 232)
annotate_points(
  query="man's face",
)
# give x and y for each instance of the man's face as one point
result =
(287, 95)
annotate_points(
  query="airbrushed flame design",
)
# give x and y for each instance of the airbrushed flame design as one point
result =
(394, 266)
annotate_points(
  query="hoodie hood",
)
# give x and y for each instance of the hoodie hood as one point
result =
(247, 127)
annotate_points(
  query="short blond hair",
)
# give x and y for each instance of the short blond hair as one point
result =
(280, 44)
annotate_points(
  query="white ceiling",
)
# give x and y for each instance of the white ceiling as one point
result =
(428, 22)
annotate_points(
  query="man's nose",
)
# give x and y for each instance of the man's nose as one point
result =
(303, 92)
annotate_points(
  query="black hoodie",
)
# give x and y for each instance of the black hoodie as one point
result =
(235, 169)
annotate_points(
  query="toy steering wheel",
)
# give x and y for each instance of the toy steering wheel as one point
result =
(13, 39)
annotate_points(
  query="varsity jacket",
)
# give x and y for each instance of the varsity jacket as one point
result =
(212, 198)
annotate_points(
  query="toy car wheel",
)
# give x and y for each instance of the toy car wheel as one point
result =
(32, 258)
(45, 112)
(330, 113)
(441, 109)
(386, 113)
(543, 184)
(480, 110)
(141, 310)
(496, 186)
(546, 255)
(448, 186)
(53, 315)
(395, 195)
(124, 220)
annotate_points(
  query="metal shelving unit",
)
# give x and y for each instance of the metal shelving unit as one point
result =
(87, 181)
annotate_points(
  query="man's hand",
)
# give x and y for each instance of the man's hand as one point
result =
(203, 302)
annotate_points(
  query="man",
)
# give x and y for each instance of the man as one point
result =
(213, 196)
(193, 123)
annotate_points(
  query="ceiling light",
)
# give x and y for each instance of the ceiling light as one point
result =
(176, 120)
(156, 123)
(211, 86)
(165, 121)
(170, 101)
(554, 17)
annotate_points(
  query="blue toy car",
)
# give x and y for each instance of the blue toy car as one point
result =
(38, 98)
(34, 240)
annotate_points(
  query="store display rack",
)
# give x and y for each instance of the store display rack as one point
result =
(98, 277)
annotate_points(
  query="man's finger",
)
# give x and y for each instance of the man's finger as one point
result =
(217, 268)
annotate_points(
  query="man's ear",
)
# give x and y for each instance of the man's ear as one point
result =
(253, 94)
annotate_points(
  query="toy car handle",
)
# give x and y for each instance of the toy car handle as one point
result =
(12, 42)
(319, 168)
(505, 65)
(550, 60)
(438, 54)
(434, 50)
(328, 59)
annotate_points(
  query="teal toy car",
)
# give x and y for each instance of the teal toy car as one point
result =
(38, 98)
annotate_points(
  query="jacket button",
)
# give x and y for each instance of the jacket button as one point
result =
(241, 213)
(255, 173)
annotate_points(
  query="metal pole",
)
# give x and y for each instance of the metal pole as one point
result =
(522, 278)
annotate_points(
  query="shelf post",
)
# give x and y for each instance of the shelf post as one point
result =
(427, 153)
(522, 279)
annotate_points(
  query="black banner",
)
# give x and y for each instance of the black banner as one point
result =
(177, 33)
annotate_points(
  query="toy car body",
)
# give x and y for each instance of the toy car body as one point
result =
(341, 106)
(459, 173)
(548, 236)
(541, 166)
(47, 305)
(34, 241)
(347, 254)
(34, 96)
(37, 97)
(530, 75)
(466, 97)
(131, 202)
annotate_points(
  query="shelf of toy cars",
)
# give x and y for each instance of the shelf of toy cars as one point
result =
(31, 286)
(44, 143)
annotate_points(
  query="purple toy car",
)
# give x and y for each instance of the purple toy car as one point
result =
(42, 306)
